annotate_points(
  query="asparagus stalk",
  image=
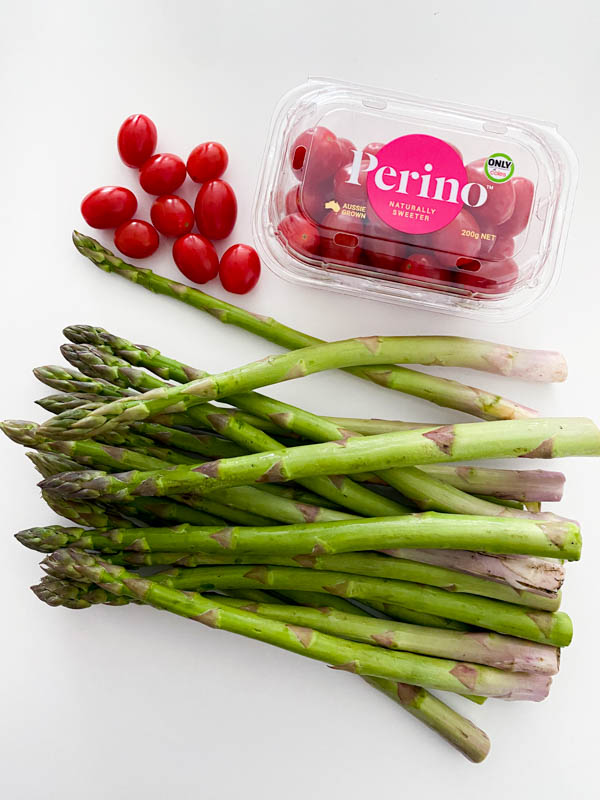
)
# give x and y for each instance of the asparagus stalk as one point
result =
(445, 393)
(460, 732)
(491, 649)
(448, 531)
(391, 610)
(447, 351)
(525, 485)
(521, 485)
(351, 656)
(371, 564)
(540, 575)
(539, 626)
(457, 730)
(529, 438)
(426, 491)
(342, 491)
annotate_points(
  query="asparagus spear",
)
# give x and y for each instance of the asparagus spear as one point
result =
(64, 379)
(443, 392)
(362, 563)
(541, 575)
(491, 649)
(539, 626)
(425, 490)
(448, 351)
(460, 732)
(529, 438)
(448, 531)
(522, 485)
(457, 730)
(342, 491)
(359, 658)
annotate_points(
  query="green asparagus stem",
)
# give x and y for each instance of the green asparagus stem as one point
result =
(358, 658)
(529, 438)
(524, 485)
(543, 576)
(403, 614)
(445, 393)
(448, 531)
(426, 491)
(491, 649)
(342, 491)
(538, 626)
(461, 733)
(371, 564)
(448, 351)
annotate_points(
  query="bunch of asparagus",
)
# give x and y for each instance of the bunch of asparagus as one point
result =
(357, 542)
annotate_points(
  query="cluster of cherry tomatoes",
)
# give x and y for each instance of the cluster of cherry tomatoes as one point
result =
(161, 174)
(473, 252)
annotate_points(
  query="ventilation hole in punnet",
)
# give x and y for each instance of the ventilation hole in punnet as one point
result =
(345, 240)
(469, 264)
(299, 156)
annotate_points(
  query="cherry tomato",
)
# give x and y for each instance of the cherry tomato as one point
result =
(196, 257)
(207, 161)
(239, 270)
(460, 237)
(136, 238)
(341, 237)
(300, 234)
(171, 215)
(517, 223)
(318, 147)
(500, 202)
(108, 206)
(504, 247)
(487, 277)
(309, 201)
(136, 140)
(347, 150)
(162, 174)
(215, 209)
(423, 266)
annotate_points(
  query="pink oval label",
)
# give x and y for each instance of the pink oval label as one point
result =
(417, 183)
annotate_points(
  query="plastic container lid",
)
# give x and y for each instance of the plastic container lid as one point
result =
(387, 196)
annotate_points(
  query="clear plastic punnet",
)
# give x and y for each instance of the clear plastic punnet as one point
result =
(383, 195)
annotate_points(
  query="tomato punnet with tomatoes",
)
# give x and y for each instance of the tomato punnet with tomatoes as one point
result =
(162, 174)
(136, 140)
(207, 161)
(136, 238)
(239, 269)
(320, 148)
(171, 215)
(300, 234)
(196, 257)
(215, 209)
(108, 206)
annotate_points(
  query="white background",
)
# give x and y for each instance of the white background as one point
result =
(132, 703)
